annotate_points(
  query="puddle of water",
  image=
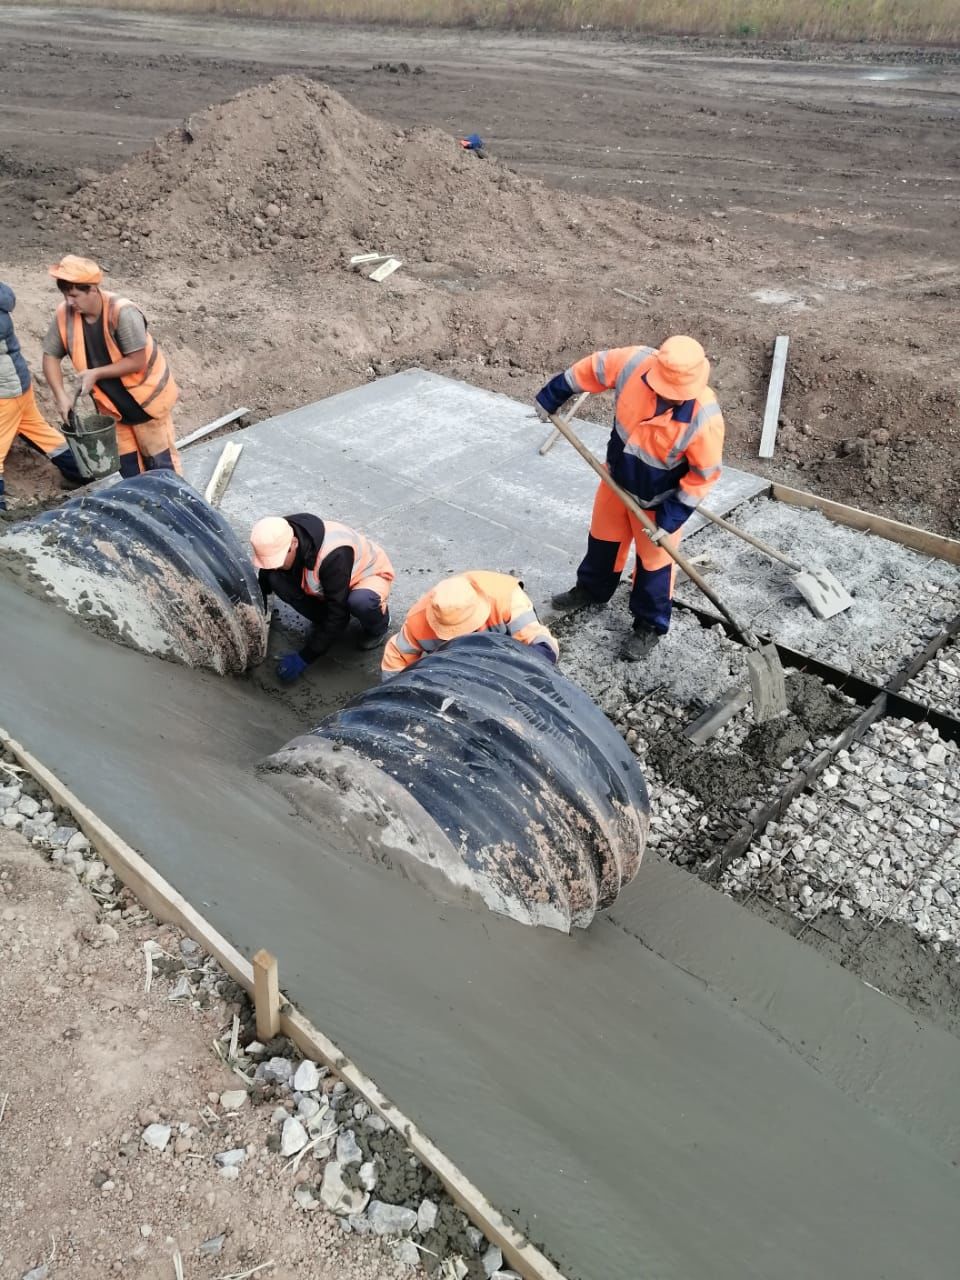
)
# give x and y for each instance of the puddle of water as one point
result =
(780, 298)
(890, 73)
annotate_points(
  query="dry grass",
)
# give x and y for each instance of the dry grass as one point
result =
(893, 21)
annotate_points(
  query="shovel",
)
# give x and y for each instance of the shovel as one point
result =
(824, 594)
(767, 678)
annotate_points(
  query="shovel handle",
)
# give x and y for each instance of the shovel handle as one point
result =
(748, 537)
(636, 510)
(571, 413)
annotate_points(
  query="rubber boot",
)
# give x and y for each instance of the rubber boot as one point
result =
(66, 464)
(640, 643)
(374, 639)
(575, 598)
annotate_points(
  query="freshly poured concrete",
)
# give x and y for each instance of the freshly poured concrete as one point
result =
(682, 1092)
(444, 475)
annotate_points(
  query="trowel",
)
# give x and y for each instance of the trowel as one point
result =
(824, 594)
(767, 677)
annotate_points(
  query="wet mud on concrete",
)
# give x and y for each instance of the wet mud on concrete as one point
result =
(749, 1086)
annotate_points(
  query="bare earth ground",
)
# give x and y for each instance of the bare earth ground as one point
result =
(815, 198)
(87, 1060)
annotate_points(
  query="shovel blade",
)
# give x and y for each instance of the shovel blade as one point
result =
(768, 686)
(822, 592)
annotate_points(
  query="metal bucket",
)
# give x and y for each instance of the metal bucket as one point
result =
(93, 443)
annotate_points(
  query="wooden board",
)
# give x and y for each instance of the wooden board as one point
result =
(163, 901)
(217, 485)
(771, 414)
(210, 427)
(931, 544)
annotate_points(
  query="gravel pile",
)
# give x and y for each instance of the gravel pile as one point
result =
(698, 795)
(879, 834)
(937, 684)
(901, 597)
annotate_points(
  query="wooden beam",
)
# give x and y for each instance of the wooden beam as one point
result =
(266, 995)
(209, 429)
(163, 901)
(771, 414)
(379, 274)
(931, 544)
(217, 484)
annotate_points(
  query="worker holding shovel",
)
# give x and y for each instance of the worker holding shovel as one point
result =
(665, 451)
(119, 362)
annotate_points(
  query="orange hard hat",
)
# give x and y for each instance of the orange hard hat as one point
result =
(76, 270)
(680, 369)
(456, 608)
(270, 539)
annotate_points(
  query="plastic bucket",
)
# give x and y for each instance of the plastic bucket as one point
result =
(93, 443)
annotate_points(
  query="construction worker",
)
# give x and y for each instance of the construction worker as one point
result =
(19, 413)
(119, 363)
(665, 450)
(329, 573)
(462, 606)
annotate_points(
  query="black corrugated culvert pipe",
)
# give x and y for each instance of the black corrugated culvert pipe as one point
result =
(484, 774)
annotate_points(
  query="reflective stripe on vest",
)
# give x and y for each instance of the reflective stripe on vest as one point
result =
(153, 387)
(368, 559)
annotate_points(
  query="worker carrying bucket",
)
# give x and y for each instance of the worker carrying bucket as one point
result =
(120, 365)
(665, 451)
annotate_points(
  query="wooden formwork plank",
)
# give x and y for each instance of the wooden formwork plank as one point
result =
(931, 544)
(210, 427)
(163, 901)
(217, 485)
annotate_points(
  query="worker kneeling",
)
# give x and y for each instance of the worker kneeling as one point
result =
(329, 573)
(464, 605)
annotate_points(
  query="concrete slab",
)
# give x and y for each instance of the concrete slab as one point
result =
(445, 475)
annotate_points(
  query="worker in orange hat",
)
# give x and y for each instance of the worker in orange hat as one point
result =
(462, 606)
(329, 573)
(119, 362)
(665, 450)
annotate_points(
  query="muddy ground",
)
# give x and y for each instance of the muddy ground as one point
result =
(814, 198)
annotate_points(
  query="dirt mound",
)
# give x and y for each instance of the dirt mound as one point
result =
(291, 167)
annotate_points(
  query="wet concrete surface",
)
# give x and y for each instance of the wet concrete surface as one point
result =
(682, 1091)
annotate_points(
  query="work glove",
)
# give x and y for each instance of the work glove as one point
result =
(290, 667)
(657, 535)
(551, 396)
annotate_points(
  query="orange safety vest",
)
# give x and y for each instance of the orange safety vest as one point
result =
(673, 453)
(369, 560)
(153, 387)
(511, 613)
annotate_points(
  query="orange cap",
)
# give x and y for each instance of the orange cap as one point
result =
(456, 608)
(76, 270)
(270, 539)
(680, 369)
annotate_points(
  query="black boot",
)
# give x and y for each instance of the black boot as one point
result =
(374, 639)
(640, 643)
(575, 598)
(66, 464)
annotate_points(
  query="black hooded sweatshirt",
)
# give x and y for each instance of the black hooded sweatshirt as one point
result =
(328, 613)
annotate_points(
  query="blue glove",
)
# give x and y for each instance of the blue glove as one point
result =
(671, 514)
(556, 393)
(290, 667)
(545, 651)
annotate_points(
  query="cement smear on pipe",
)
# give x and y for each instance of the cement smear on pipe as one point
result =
(682, 1091)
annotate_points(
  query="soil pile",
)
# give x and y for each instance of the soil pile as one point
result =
(292, 168)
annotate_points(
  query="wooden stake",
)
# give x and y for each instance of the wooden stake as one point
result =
(266, 995)
(217, 485)
(771, 414)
